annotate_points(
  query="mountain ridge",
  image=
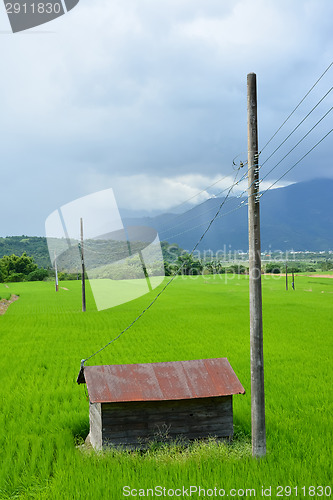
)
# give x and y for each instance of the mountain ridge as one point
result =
(298, 216)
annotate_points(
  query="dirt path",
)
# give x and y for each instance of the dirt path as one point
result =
(4, 303)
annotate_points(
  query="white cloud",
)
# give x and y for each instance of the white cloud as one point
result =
(154, 193)
(151, 193)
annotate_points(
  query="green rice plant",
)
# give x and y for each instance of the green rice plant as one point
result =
(44, 413)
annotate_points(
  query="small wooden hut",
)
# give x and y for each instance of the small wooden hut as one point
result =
(131, 405)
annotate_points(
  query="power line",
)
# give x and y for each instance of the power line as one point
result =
(211, 185)
(200, 192)
(300, 123)
(243, 192)
(298, 105)
(241, 205)
(204, 223)
(293, 166)
(221, 206)
(292, 149)
(244, 176)
(168, 229)
(190, 209)
(167, 284)
(191, 218)
(241, 164)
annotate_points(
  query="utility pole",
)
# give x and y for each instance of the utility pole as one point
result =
(145, 272)
(82, 269)
(256, 330)
(286, 276)
(56, 273)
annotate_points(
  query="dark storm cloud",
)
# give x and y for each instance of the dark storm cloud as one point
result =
(158, 90)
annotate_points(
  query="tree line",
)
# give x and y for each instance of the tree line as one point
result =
(187, 265)
(14, 268)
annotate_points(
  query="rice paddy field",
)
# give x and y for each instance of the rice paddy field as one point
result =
(44, 414)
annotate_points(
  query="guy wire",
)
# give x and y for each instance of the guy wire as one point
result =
(83, 361)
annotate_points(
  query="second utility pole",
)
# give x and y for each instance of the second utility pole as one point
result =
(256, 331)
(83, 269)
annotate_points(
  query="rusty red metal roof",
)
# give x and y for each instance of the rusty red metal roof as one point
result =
(173, 380)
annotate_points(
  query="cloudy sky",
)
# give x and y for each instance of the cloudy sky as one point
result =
(148, 97)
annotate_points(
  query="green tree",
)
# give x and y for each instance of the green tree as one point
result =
(4, 268)
(237, 269)
(15, 277)
(2, 274)
(15, 268)
(23, 264)
(170, 253)
(38, 274)
(214, 267)
(273, 268)
(189, 265)
(327, 265)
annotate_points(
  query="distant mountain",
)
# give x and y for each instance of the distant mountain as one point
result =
(298, 217)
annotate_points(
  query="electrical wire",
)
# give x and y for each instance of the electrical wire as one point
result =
(298, 105)
(217, 214)
(204, 223)
(191, 218)
(200, 192)
(213, 184)
(295, 164)
(83, 361)
(300, 123)
(242, 178)
(241, 205)
(267, 159)
(302, 139)
(165, 228)
(168, 229)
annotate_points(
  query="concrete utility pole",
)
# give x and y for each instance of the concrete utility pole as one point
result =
(83, 269)
(256, 332)
(286, 276)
